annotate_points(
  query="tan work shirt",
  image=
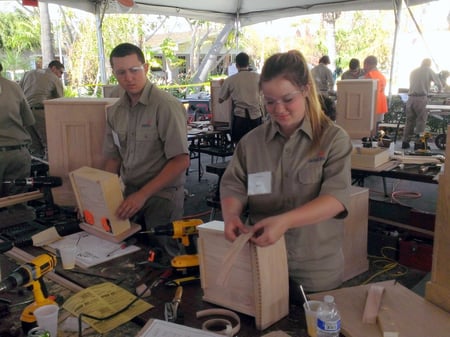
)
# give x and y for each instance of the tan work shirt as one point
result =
(145, 137)
(243, 88)
(39, 85)
(15, 115)
(315, 255)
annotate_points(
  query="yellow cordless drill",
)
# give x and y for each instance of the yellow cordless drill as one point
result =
(30, 275)
(182, 230)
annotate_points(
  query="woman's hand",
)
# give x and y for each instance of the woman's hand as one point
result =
(268, 231)
(233, 227)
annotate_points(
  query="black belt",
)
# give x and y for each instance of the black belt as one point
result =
(37, 107)
(418, 95)
(11, 148)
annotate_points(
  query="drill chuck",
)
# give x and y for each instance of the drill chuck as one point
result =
(16, 279)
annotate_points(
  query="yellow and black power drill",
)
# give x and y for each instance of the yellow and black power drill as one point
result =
(30, 275)
(182, 230)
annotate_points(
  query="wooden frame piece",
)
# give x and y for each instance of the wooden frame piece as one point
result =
(98, 194)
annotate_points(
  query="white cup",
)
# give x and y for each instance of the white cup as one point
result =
(47, 318)
(68, 255)
(311, 317)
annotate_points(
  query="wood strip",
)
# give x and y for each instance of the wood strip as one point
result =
(230, 257)
(373, 303)
(19, 198)
(386, 323)
(401, 225)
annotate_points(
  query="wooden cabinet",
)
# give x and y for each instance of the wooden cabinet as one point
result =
(355, 233)
(75, 131)
(355, 107)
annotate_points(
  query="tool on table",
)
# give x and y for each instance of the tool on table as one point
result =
(171, 308)
(182, 230)
(5, 246)
(182, 280)
(38, 182)
(30, 275)
(123, 245)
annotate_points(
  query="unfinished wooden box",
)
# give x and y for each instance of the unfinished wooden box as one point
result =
(366, 157)
(257, 283)
(355, 107)
(355, 233)
(99, 194)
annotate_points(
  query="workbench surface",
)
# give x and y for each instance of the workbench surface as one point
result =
(125, 274)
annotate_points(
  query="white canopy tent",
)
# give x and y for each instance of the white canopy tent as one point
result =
(239, 12)
(246, 12)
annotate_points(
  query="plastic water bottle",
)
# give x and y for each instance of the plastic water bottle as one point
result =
(328, 318)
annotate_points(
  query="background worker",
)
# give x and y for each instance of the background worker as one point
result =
(146, 143)
(246, 100)
(39, 85)
(15, 117)
(292, 174)
(371, 72)
(323, 76)
(420, 80)
(354, 71)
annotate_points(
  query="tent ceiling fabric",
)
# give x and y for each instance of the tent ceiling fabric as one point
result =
(247, 12)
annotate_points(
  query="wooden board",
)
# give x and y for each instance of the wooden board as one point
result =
(75, 131)
(355, 233)
(413, 315)
(258, 280)
(438, 288)
(221, 112)
(355, 107)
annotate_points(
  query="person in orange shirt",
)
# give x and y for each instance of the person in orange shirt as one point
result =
(371, 72)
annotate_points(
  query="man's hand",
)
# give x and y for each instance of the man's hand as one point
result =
(131, 205)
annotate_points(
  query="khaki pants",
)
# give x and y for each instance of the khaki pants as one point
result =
(38, 134)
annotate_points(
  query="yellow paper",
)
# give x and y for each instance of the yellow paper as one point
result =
(102, 300)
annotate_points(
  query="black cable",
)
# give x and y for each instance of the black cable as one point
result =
(125, 308)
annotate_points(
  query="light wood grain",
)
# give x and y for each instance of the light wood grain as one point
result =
(413, 315)
(257, 281)
(75, 132)
(438, 288)
(373, 303)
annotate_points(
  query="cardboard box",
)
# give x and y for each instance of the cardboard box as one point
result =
(364, 157)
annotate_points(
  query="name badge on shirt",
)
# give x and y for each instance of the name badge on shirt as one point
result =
(116, 139)
(259, 183)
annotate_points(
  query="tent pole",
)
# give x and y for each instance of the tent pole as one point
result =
(100, 44)
(397, 11)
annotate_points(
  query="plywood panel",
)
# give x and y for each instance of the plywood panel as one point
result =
(355, 107)
(438, 288)
(413, 315)
(75, 131)
(221, 112)
(355, 233)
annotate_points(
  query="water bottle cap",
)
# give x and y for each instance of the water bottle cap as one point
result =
(328, 299)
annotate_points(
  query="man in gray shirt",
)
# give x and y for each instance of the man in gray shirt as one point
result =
(416, 111)
(39, 85)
